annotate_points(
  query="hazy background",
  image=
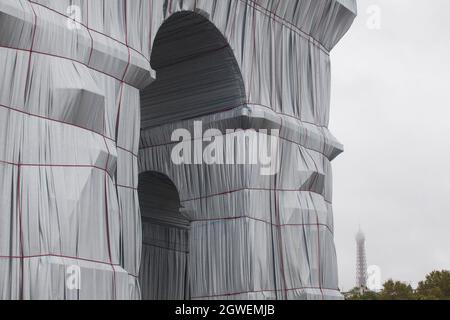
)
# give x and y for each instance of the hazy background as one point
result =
(391, 110)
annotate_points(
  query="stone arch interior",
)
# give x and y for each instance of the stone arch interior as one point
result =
(165, 240)
(196, 72)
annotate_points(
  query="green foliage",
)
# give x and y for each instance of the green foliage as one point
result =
(396, 290)
(435, 287)
(355, 294)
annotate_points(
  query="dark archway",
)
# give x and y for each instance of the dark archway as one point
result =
(165, 240)
(196, 72)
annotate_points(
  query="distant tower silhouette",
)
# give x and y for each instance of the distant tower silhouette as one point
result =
(361, 263)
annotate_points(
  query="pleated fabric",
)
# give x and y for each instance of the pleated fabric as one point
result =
(80, 79)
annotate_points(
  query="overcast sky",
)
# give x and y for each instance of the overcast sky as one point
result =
(391, 110)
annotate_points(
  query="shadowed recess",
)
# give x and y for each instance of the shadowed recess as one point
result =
(196, 72)
(165, 250)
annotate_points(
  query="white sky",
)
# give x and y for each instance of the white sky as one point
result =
(391, 109)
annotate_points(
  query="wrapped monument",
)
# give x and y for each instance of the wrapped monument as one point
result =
(167, 149)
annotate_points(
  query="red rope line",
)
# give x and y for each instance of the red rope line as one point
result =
(252, 189)
(107, 223)
(169, 7)
(19, 211)
(117, 127)
(240, 190)
(287, 24)
(280, 237)
(89, 32)
(319, 271)
(126, 187)
(90, 29)
(32, 41)
(37, 165)
(123, 77)
(253, 59)
(145, 244)
(150, 19)
(319, 255)
(128, 151)
(19, 193)
(14, 109)
(52, 255)
(262, 291)
(267, 222)
(119, 108)
(66, 58)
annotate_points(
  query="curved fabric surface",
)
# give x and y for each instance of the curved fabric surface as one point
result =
(71, 152)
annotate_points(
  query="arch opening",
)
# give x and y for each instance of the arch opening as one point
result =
(196, 72)
(165, 240)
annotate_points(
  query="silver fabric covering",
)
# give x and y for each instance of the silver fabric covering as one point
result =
(90, 95)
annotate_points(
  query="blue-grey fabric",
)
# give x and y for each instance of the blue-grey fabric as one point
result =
(78, 77)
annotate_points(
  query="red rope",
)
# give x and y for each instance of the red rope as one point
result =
(90, 29)
(289, 25)
(52, 255)
(66, 58)
(15, 109)
(89, 32)
(262, 291)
